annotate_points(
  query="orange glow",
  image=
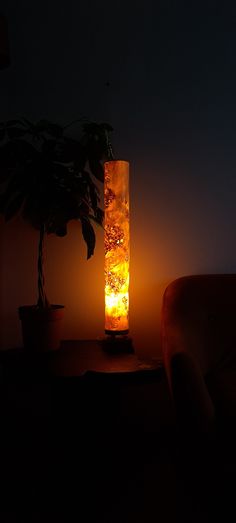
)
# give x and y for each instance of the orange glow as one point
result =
(116, 199)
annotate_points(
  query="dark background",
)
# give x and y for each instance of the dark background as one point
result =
(163, 74)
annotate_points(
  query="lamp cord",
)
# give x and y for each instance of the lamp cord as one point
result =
(110, 153)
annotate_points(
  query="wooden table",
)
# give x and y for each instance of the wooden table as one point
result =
(79, 427)
(75, 358)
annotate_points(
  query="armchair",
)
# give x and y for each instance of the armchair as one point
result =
(199, 349)
(198, 330)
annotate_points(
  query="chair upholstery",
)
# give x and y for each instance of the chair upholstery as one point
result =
(199, 348)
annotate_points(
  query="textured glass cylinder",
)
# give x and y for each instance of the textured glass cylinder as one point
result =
(116, 201)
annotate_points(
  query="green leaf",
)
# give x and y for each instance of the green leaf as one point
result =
(12, 123)
(32, 212)
(97, 218)
(49, 145)
(61, 231)
(96, 169)
(43, 174)
(71, 150)
(16, 132)
(25, 121)
(8, 157)
(2, 134)
(93, 191)
(4, 174)
(91, 128)
(13, 206)
(2, 202)
(99, 215)
(106, 127)
(88, 235)
(93, 196)
(54, 130)
(14, 186)
(15, 152)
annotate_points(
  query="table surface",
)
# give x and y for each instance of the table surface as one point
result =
(78, 357)
(88, 355)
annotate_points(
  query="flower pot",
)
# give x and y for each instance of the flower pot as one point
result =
(41, 328)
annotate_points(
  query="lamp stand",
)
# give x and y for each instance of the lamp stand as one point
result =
(117, 344)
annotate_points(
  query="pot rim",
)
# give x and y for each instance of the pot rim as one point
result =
(35, 307)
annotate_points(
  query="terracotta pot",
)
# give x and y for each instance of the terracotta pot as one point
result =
(41, 328)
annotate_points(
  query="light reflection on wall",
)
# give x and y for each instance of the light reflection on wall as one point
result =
(170, 237)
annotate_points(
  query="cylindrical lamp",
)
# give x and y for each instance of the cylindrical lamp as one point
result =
(117, 247)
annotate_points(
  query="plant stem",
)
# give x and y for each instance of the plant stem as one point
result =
(110, 153)
(42, 298)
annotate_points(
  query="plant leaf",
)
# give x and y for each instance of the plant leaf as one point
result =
(14, 206)
(15, 152)
(25, 121)
(4, 174)
(93, 191)
(53, 129)
(43, 175)
(12, 123)
(61, 231)
(88, 235)
(16, 132)
(99, 215)
(91, 128)
(98, 219)
(2, 202)
(106, 127)
(2, 134)
(96, 169)
(71, 150)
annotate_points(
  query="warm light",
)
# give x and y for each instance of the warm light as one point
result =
(116, 202)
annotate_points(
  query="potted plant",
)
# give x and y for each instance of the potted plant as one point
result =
(49, 178)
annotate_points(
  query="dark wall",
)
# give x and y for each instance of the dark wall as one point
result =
(163, 74)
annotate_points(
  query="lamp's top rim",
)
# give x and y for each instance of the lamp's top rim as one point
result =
(116, 161)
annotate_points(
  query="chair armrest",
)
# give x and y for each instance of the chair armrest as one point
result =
(194, 407)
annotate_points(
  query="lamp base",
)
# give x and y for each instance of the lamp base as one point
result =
(117, 344)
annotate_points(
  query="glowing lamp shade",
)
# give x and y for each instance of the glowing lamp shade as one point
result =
(116, 202)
